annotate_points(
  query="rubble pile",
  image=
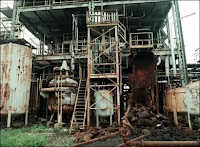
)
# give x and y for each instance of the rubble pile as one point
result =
(156, 127)
(93, 132)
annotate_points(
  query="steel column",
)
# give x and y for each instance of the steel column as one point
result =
(180, 43)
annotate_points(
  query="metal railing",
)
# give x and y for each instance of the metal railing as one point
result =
(141, 40)
(102, 17)
(35, 3)
(68, 36)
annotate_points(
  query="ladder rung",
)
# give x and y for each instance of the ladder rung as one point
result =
(79, 118)
(80, 108)
(77, 122)
(78, 115)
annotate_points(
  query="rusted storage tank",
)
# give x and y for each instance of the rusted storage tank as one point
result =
(104, 104)
(16, 66)
(192, 98)
(179, 94)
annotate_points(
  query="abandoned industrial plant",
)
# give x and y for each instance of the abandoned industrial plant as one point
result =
(97, 73)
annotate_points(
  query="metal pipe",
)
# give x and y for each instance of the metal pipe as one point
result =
(159, 61)
(167, 66)
(165, 143)
(171, 47)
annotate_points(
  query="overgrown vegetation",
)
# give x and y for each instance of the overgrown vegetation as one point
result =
(37, 135)
(27, 136)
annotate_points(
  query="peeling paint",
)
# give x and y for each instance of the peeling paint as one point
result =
(16, 66)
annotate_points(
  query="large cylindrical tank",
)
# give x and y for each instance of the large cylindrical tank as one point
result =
(192, 98)
(16, 66)
(69, 93)
(104, 103)
(179, 94)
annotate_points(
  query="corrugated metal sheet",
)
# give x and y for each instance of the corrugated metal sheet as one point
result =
(16, 66)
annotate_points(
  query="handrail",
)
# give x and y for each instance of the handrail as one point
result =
(75, 107)
(142, 42)
(85, 106)
(102, 16)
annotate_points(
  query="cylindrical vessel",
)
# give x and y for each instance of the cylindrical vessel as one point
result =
(179, 94)
(192, 98)
(104, 103)
(16, 66)
(69, 93)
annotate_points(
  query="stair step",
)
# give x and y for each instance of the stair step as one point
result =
(77, 122)
(79, 118)
(80, 108)
(80, 105)
(78, 115)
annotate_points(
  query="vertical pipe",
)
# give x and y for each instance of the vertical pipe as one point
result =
(88, 79)
(117, 70)
(80, 71)
(26, 112)
(174, 108)
(167, 72)
(171, 47)
(157, 95)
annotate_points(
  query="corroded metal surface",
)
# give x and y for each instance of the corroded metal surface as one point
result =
(142, 69)
(179, 94)
(192, 98)
(104, 102)
(16, 66)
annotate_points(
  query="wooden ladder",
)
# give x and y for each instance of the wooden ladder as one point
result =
(79, 114)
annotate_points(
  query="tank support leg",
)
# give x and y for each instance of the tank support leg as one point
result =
(174, 110)
(97, 118)
(9, 118)
(189, 121)
(26, 117)
(110, 118)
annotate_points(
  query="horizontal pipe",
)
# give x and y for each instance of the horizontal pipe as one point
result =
(165, 143)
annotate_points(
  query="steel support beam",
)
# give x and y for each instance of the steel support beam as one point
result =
(180, 43)
(85, 55)
(84, 4)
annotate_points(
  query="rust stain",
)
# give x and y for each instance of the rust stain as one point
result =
(142, 70)
(17, 72)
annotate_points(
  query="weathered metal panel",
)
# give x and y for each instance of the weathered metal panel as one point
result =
(192, 98)
(16, 66)
(179, 94)
(104, 102)
(142, 66)
(34, 102)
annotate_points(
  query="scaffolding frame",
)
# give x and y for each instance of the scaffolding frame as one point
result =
(110, 50)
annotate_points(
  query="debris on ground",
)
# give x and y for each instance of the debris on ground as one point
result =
(156, 127)
(92, 133)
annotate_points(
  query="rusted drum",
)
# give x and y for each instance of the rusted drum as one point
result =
(16, 66)
(192, 98)
(179, 94)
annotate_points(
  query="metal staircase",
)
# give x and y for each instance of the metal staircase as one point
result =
(79, 114)
(122, 32)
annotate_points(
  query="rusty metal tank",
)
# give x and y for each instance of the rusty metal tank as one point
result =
(16, 66)
(104, 103)
(179, 94)
(192, 98)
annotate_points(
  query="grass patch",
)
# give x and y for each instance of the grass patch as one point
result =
(26, 136)
(36, 135)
